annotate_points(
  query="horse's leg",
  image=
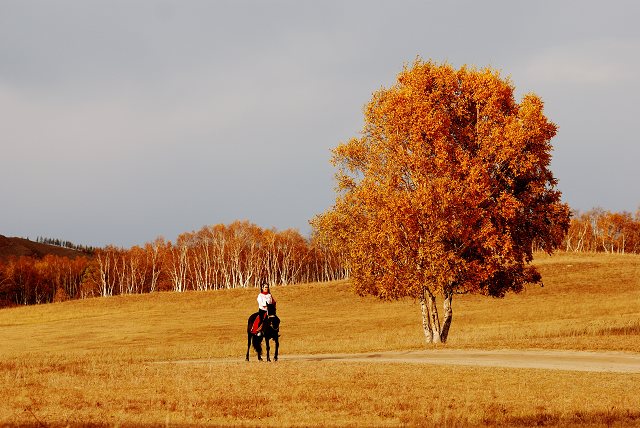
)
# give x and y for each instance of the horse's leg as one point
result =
(267, 339)
(249, 335)
(275, 354)
(248, 343)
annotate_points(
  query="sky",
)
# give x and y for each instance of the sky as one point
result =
(122, 121)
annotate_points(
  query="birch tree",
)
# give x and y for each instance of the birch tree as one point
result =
(445, 191)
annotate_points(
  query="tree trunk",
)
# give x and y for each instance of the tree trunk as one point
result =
(426, 320)
(448, 315)
(434, 320)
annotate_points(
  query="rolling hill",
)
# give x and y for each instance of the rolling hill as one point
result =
(12, 246)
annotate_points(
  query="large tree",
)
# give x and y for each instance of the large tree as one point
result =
(446, 191)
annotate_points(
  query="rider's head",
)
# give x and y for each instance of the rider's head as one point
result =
(265, 287)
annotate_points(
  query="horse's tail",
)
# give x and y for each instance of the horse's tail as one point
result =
(256, 341)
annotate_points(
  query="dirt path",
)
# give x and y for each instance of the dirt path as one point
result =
(620, 362)
(616, 362)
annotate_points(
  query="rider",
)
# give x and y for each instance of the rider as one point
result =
(264, 298)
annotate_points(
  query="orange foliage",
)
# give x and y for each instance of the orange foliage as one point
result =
(446, 190)
(27, 281)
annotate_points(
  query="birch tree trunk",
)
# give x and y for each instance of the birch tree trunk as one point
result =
(103, 266)
(448, 315)
(426, 320)
(430, 319)
(433, 316)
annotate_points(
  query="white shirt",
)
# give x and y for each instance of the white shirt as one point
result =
(264, 300)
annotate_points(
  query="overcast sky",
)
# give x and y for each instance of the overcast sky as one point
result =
(122, 121)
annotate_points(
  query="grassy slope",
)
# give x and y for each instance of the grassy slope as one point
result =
(93, 360)
(23, 247)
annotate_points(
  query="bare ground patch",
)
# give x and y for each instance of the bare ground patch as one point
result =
(617, 362)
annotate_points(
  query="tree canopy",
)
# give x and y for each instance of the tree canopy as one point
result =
(446, 190)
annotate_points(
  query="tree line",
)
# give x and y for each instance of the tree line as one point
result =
(599, 230)
(240, 254)
(236, 255)
(66, 244)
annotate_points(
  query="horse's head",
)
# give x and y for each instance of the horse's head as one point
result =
(271, 308)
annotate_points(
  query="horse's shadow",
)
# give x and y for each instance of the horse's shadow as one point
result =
(270, 331)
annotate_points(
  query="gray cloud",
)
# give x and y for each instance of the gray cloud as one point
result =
(588, 62)
(123, 121)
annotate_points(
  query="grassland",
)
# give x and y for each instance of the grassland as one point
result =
(108, 361)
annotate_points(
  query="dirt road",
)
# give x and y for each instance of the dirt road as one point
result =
(617, 362)
(621, 362)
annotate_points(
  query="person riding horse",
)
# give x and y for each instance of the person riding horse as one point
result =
(264, 324)
(264, 298)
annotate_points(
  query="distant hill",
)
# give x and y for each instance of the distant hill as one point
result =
(24, 247)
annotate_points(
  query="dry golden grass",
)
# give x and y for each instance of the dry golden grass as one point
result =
(109, 360)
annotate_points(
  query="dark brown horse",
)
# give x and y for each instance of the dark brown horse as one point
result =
(270, 331)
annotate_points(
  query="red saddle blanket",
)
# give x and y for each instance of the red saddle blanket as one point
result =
(257, 325)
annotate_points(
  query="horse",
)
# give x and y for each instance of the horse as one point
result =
(270, 331)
